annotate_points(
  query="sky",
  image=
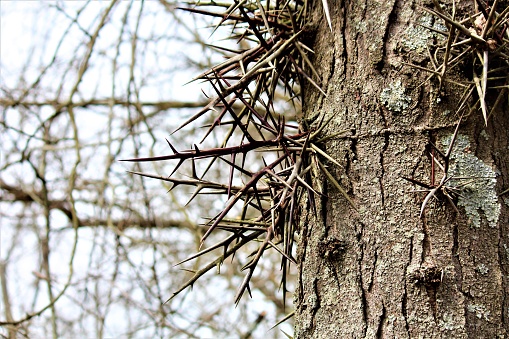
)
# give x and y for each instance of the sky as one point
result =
(30, 32)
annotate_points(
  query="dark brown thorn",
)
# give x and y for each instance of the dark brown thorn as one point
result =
(225, 17)
(288, 316)
(230, 179)
(171, 146)
(235, 229)
(417, 182)
(282, 253)
(453, 139)
(231, 111)
(482, 8)
(238, 168)
(193, 169)
(255, 113)
(251, 266)
(196, 192)
(336, 184)
(212, 152)
(437, 149)
(258, 200)
(208, 167)
(204, 110)
(221, 243)
(224, 49)
(216, 122)
(254, 28)
(250, 184)
(216, 262)
(306, 76)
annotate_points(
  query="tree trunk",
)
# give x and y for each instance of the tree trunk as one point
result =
(384, 270)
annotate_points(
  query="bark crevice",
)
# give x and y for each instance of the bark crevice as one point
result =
(364, 301)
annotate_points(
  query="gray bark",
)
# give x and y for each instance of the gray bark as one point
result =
(383, 271)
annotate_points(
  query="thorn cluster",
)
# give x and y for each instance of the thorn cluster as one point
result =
(481, 42)
(276, 60)
(477, 43)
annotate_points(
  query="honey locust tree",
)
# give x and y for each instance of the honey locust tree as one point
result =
(423, 87)
(394, 185)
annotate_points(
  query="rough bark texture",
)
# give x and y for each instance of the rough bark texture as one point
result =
(384, 272)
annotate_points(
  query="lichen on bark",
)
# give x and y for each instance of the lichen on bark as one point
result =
(476, 182)
(394, 97)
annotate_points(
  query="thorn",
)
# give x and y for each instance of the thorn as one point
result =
(327, 13)
(176, 167)
(416, 182)
(171, 146)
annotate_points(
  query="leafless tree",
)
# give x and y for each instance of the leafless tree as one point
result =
(87, 249)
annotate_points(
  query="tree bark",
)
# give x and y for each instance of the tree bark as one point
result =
(384, 271)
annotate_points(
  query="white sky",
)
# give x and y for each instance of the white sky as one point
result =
(28, 33)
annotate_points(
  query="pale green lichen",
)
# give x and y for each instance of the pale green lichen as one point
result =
(480, 311)
(361, 26)
(449, 323)
(394, 97)
(416, 37)
(484, 134)
(476, 181)
(482, 269)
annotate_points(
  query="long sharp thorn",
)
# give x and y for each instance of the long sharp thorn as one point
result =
(193, 169)
(238, 168)
(213, 264)
(482, 8)
(327, 13)
(282, 253)
(222, 98)
(435, 160)
(337, 185)
(453, 140)
(204, 110)
(416, 182)
(308, 187)
(236, 197)
(176, 167)
(208, 167)
(196, 192)
(437, 149)
(321, 126)
(328, 157)
(485, 84)
(230, 179)
(488, 21)
(254, 28)
(264, 17)
(171, 146)
(504, 192)
(290, 315)
(153, 176)
(425, 202)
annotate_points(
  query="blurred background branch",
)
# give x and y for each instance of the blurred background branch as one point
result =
(84, 244)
